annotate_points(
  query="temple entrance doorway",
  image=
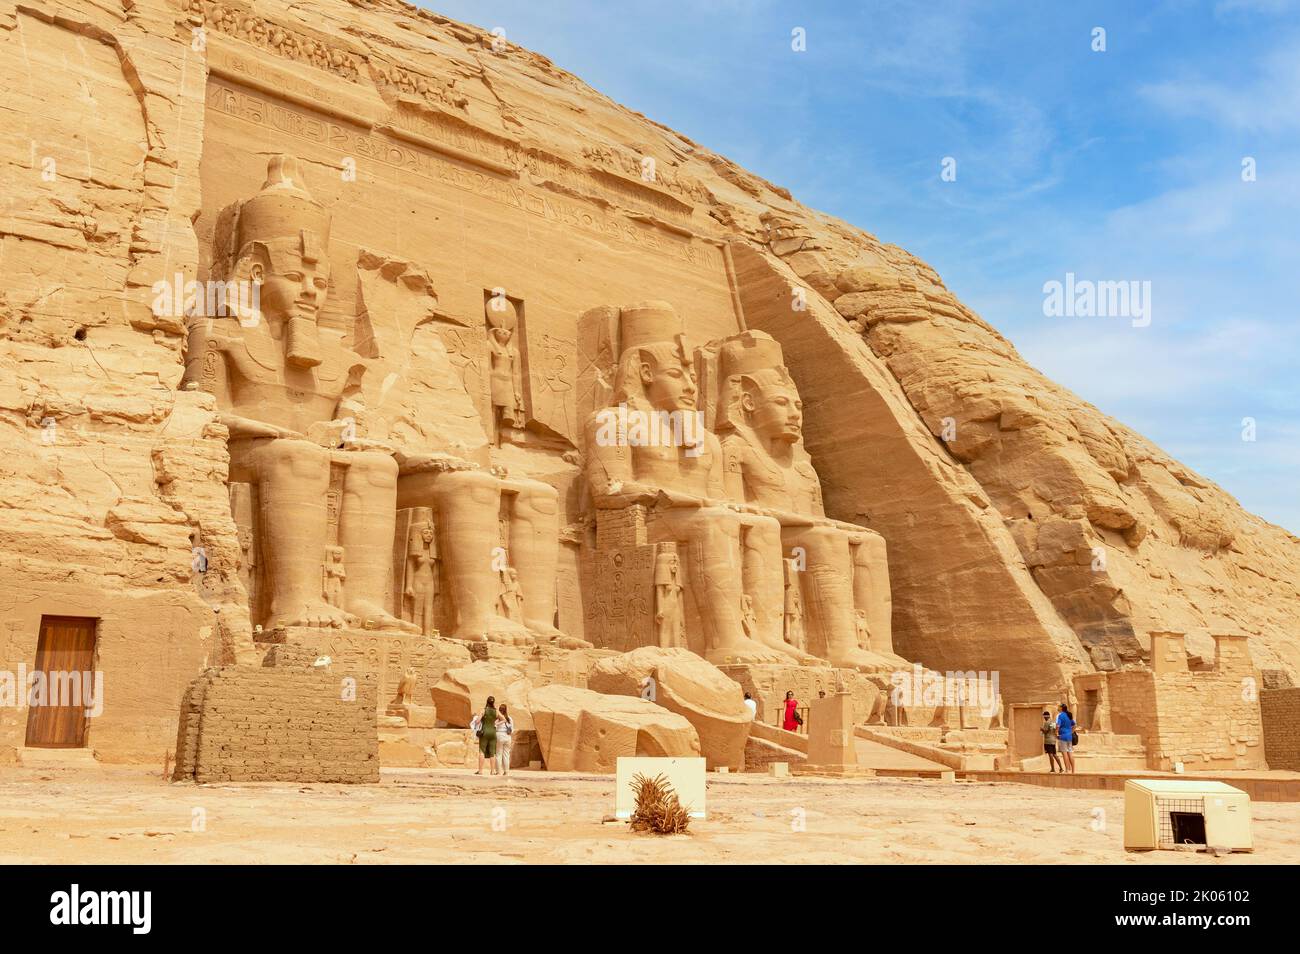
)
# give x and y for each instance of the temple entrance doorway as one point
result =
(65, 661)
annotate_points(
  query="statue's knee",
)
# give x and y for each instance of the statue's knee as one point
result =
(376, 470)
(763, 532)
(718, 527)
(473, 486)
(536, 498)
(301, 459)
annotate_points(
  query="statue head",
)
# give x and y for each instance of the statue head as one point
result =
(281, 235)
(771, 406)
(502, 319)
(760, 392)
(426, 533)
(653, 366)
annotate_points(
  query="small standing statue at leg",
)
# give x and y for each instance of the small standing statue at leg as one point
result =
(669, 628)
(512, 596)
(334, 576)
(421, 589)
(793, 608)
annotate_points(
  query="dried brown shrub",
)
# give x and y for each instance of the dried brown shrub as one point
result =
(657, 809)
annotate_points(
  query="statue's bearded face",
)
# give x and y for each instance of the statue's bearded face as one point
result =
(775, 411)
(668, 382)
(293, 285)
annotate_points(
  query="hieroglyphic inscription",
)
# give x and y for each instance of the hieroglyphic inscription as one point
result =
(467, 353)
(549, 364)
(625, 578)
(544, 167)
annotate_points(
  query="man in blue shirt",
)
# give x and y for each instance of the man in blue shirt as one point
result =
(1065, 737)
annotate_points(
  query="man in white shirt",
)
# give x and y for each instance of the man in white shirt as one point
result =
(752, 706)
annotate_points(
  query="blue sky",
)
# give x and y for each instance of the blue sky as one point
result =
(1117, 165)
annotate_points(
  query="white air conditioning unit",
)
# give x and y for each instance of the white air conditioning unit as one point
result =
(1174, 813)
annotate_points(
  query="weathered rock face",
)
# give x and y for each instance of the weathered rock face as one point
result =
(462, 692)
(481, 200)
(692, 688)
(583, 731)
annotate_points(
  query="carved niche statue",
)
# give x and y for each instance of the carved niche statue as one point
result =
(760, 424)
(280, 383)
(506, 375)
(643, 452)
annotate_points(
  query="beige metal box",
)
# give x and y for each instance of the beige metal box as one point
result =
(1168, 813)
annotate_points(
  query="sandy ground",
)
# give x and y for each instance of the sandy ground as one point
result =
(128, 816)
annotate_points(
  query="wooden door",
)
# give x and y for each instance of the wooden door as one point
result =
(1026, 731)
(66, 645)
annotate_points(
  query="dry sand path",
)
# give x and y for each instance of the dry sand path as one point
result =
(113, 815)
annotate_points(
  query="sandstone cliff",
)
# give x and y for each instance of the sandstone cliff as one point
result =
(1027, 531)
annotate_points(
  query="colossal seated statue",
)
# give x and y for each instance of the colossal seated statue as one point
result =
(833, 578)
(280, 386)
(646, 452)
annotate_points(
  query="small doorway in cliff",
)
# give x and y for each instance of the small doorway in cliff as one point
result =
(62, 687)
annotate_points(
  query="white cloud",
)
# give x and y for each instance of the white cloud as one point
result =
(1269, 102)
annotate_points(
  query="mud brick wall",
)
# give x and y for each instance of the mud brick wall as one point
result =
(1206, 720)
(1280, 709)
(250, 724)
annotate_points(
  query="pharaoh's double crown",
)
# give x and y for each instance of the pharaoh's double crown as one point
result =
(282, 208)
(647, 323)
(749, 352)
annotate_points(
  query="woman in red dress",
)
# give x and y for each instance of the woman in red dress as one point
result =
(791, 705)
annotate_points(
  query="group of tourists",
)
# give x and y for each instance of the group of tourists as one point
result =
(495, 731)
(1059, 739)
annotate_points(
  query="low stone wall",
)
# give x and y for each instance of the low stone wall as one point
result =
(760, 753)
(245, 724)
(1280, 710)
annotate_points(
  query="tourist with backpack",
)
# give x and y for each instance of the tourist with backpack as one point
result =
(1066, 737)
